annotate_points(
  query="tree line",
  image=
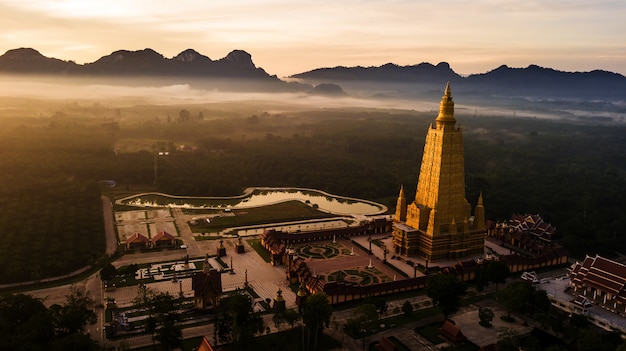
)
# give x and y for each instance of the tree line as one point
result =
(27, 324)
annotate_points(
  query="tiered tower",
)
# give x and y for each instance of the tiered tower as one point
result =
(438, 224)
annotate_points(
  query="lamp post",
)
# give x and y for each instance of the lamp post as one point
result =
(143, 292)
(156, 168)
(363, 339)
(385, 252)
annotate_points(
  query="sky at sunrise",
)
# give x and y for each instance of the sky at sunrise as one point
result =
(286, 37)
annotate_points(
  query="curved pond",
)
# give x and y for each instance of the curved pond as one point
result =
(257, 197)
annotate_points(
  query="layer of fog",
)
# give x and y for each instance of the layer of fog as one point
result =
(388, 98)
(176, 94)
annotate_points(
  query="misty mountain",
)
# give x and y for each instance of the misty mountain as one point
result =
(26, 60)
(535, 80)
(421, 73)
(238, 71)
(235, 72)
(502, 81)
(147, 62)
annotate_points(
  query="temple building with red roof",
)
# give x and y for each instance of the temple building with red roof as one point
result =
(163, 238)
(137, 241)
(600, 281)
(528, 231)
(207, 287)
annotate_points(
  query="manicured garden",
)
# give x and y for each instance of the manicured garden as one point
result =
(322, 251)
(365, 276)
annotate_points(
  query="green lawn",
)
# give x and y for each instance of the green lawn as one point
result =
(256, 245)
(281, 212)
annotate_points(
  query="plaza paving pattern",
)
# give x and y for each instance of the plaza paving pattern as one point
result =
(342, 260)
(322, 251)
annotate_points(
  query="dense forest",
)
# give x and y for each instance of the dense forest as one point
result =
(573, 175)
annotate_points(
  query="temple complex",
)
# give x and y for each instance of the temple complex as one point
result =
(438, 224)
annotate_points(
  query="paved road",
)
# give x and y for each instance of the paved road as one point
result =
(194, 249)
(109, 223)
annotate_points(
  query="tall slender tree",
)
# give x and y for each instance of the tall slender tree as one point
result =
(446, 291)
(316, 312)
(245, 322)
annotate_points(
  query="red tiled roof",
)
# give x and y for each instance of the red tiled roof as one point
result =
(206, 346)
(137, 237)
(163, 236)
(452, 332)
(530, 224)
(602, 274)
(385, 345)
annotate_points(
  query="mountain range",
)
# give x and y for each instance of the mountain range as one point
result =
(145, 62)
(530, 81)
(238, 65)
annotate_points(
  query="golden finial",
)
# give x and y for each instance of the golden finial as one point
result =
(446, 109)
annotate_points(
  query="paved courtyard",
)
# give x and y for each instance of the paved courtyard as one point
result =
(467, 320)
(264, 278)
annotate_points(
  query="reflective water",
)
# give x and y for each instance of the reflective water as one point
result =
(261, 197)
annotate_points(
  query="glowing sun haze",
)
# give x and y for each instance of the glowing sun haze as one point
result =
(287, 37)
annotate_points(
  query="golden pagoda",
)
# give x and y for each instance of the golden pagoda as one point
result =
(438, 224)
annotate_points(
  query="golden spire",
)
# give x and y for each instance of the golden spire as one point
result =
(480, 199)
(446, 109)
(401, 207)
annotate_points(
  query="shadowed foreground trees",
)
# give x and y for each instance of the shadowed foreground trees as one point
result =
(491, 271)
(363, 314)
(316, 312)
(26, 324)
(521, 297)
(238, 322)
(446, 291)
(163, 322)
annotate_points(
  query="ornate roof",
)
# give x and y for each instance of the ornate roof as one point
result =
(602, 274)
